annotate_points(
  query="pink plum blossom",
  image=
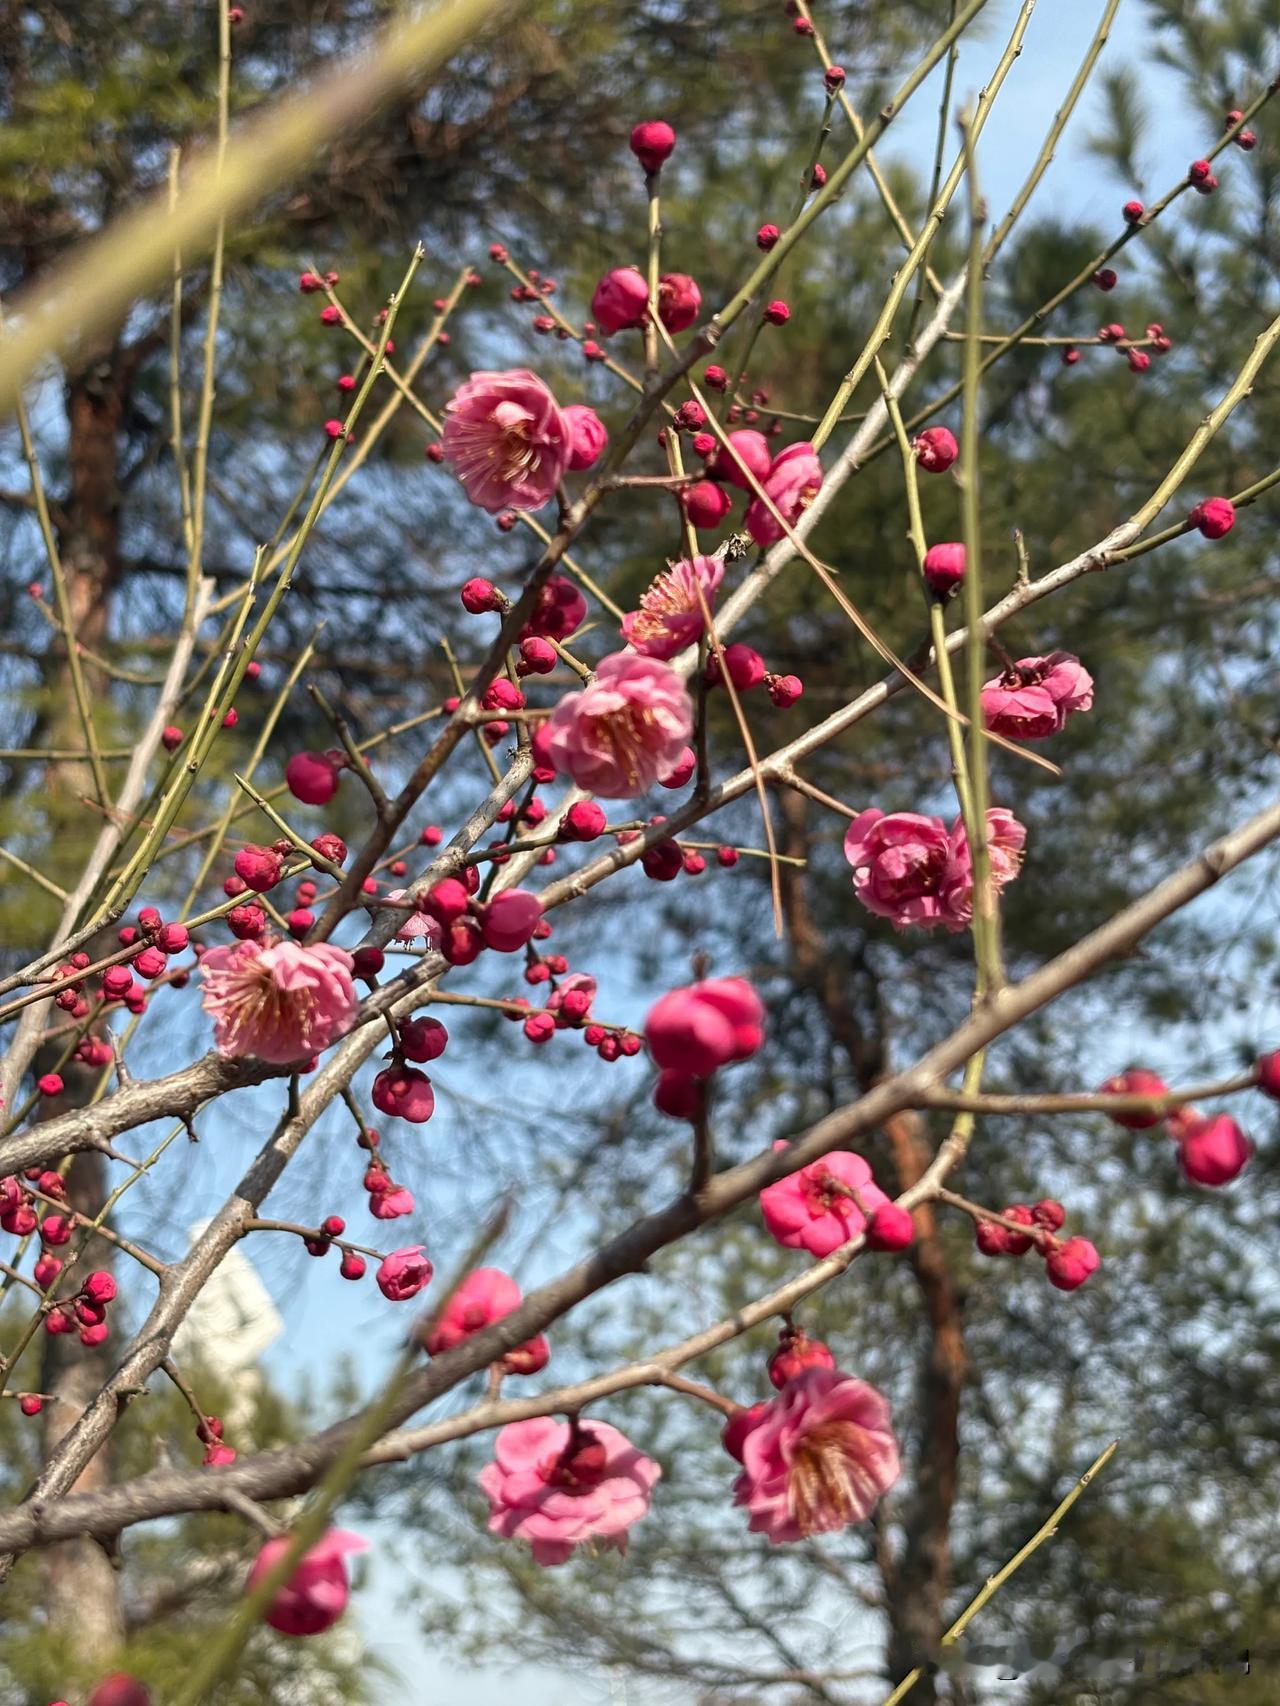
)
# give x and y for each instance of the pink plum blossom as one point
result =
(823, 1205)
(564, 1484)
(1213, 1150)
(1006, 838)
(1033, 699)
(391, 1204)
(679, 300)
(1069, 1264)
(404, 1092)
(572, 996)
(913, 870)
(558, 610)
(280, 1001)
(486, 1295)
(818, 1458)
(670, 614)
(705, 1026)
(510, 919)
(404, 1273)
(793, 483)
(623, 731)
(746, 449)
(119, 1689)
(620, 300)
(316, 1594)
(1137, 1081)
(416, 922)
(588, 435)
(507, 439)
(900, 861)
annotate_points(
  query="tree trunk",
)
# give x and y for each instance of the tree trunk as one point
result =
(917, 1577)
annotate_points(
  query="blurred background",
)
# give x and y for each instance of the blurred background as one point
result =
(1003, 1390)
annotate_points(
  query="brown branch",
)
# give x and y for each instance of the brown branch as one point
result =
(51, 1513)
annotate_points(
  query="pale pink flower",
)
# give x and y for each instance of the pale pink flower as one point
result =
(705, 1026)
(670, 614)
(818, 1458)
(1034, 699)
(900, 863)
(416, 922)
(280, 1001)
(508, 440)
(564, 1484)
(623, 731)
(793, 483)
(316, 1594)
(823, 1205)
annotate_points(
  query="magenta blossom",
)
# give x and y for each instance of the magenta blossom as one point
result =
(620, 300)
(913, 870)
(818, 1458)
(510, 919)
(706, 1026)
(316, 1594)
(679, 300)
(279, 1001)
(1212, 1150)
(557, 611)
(588, 435)
(1006, 839)
(404, 1092)
(746, 450)
(508, 440)
(793, 483)
(404, 1273)
(625, 730)
(823, 1205)
(571, 999)
(564, 1484)
(670, 614)
(392, 1203)
(486, 1295)
(900, 862)
(1034, 699)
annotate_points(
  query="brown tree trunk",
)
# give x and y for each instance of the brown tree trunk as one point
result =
(917, 1578)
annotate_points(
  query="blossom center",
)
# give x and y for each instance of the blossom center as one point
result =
(622, 735)
(255, 1004)
(579, 1468)
(822, 1493)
